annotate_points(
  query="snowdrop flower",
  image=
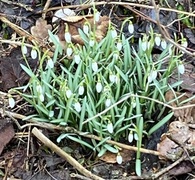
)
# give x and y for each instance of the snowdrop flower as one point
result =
(33, 54)
(77, 107)
(163, 44)
(144, 45)
(97, 16)
(130, 137)
(91, 42)
(136, 137)
(110, 127)
(157, 39)
(99, 87)
(77, 58)
(69, 51)
(116, 55)
(119, 45)
(50, 63)
(152, 76)
(39, 89)
(24, 49)
(86, 28)
(113, 33)
(181, 68)
(119, 158)
(81, 90)
(68, 93)
(94, 66)
(41, 97)
(67, 37)
(11, 102)
(112, 78)
(130, 27)
(51, 114)
(108, 102)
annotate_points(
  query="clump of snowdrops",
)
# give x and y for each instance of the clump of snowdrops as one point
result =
(99, 87)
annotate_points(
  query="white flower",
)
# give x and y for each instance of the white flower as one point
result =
(136, 137)
(69, 51)
(130, 27)
(181, 68)
(163, 44)
(115, 55)
(86, 29)
(77, 58)
(68, 93)
(11, 102)
(130, 137)
(119, 158)
(157, 40)
(67, 37)
(99, 87)
(24, 49)
(112, 78)
(110, 127)
(50, 63)
(51, 114)
(33, 54)
(113, 33)
(119, 45)
(81, 90)
(97, 16)
(41, 97)
(91, 42)
(77, 107)
(94, 66)
(39, 89)
(144, 45)
(152, 76)
(108, 102)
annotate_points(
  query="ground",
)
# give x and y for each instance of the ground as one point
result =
(27, 153)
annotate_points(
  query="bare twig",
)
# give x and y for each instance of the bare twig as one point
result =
(47, 4)
(64, 155)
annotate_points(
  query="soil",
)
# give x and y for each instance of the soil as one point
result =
(23, 156)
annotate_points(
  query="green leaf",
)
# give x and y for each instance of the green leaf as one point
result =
(110, 148)
(160, 123)
(138, 167)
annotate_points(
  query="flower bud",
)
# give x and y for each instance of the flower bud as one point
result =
(99, 87)
(157, 40)
(77, 58)
(94, 66)
(119, 158)
(33, 54)
(110, 127)
(108, 102)
(81, 90)
(11, 102)
(68, 93)
(163, 44)
(181, 68)
(130, 27)
(24, 49)
(77, 107)
(67, 37)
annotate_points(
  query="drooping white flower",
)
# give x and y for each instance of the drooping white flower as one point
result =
(94, 66)
(136, 136)
(119, 45)
(97, 16)
(11, 102)
(77, 58)
(152, 76)
(157, 40)
(119, 158)
(181, 68)
(77, 107)
(33, 54)
(69, 51)
(130, 137)
(39, 89)
(24, 49)
(68, 93)
(144, 45)
(112, 78)
(163, 44)
(130, 27)
(184, 43)
(41, 97)
(110, 127)
(113, 33)
(115, 55)
(99, 87)
(50, 63)
(51, 114)
(81, 90)
(91, 42)
(108, 102)
(86, 28)
(67, 37)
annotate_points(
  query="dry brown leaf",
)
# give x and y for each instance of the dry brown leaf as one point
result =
(40, 30)
(186, 114)
(101, 29)
(111, 157)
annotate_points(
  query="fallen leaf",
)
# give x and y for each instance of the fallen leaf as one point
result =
(40, 30)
